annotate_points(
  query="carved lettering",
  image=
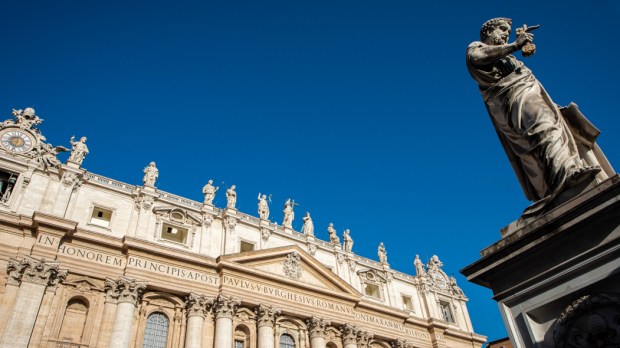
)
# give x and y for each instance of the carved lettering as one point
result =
(90, 255)
(173, 270)
(47, 240)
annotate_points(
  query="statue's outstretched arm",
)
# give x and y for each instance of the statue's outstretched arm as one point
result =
(487, 54)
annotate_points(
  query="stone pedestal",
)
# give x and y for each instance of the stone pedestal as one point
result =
(556, 277)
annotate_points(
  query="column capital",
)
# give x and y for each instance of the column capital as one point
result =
(317, 326)
(349, 334)
(266, 315)
(364, 338)
(30, 270)
(124, 289)
(196, 305)
(225, 307)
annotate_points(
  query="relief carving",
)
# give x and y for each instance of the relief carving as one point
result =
(266, 315)
(225, 307)
(197, 305)
(292, 266)
(124, 289)
(349, 334)
(317, 327)
(30, 270)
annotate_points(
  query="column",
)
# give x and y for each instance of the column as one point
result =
(35, 277)
(107, 318)
(363, 339)
(196, 310)
(349, 336)
(224, 308)
(317, 328)
(266, 318)
(128, 293)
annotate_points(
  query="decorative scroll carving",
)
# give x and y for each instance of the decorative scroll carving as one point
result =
(225, 307)
(197, 305)
(349, 334)
(124, 289)
(292, 266)
(30, 270)
(590, 321)
(266, 315)
(317, 327)
(363, 339)
(265, 233)
(230, 224)
(312, 248)
(398, 343)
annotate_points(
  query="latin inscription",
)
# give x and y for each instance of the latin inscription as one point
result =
(91, 255)
(48, 240)
(172, 270)
(369, 318)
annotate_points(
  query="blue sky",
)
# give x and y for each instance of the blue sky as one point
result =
(362, 111)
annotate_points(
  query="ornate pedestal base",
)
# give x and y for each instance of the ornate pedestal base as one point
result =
(557, 278)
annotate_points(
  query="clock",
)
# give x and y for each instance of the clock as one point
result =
(16, 140)
(439, 280)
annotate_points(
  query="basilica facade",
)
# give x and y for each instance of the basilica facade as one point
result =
(88, 261)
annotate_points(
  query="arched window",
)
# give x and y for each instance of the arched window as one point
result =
(287, 341)
(156, 331)
(74, 321)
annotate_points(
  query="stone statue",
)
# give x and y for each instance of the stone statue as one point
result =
(333, 237)
(382, 253)
(289, 214)
(550, 149)
(263, 207)
(347, 240)
(308, 227)
(434, 263)
(419, 266)
(79, 150)
(151, 173)
(455, 288)
(231, 197)
(209, 191)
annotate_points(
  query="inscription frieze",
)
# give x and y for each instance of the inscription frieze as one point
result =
(171, 270)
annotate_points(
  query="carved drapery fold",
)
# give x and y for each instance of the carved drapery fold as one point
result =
(30, 270)
(124, 289)
(317, 327)
(225, 307)
(197, 305)
(266, 315)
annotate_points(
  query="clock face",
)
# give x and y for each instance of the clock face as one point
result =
(16, 141)
(439, 280)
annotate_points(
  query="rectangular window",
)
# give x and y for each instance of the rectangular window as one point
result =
(446, 312)
(173, 233)
(245, 246)
(7, 182)
(372, 290)
(239, 344)
(101, 217)
(407, 303)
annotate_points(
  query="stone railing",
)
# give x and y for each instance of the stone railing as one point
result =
(98, 179)
(165, 196)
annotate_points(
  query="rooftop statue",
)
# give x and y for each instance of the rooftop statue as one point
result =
(209, 191)
(308, 227)
(231, 196)
(151, 173)
(263, 207)
(551, 149)
(419, 266)
(347, 240)
(333, 237)
(289, 214)
(382, 253)
(79, 150)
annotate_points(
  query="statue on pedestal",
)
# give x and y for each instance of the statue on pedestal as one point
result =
(209, 191)
(382, 253)
(308, 227)
(231, 197)
(419, 266)
(289, 214)
(79, 150)
(151, 173)
(550, 149)
(333, 237)
(263, 207)
(347, 240)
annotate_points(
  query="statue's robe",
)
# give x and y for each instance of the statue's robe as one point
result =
(543, 145)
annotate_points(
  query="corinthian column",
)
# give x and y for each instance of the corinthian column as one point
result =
(225, 308)
(266, 318)
(349, 336)
(317, 327)
(35, 277)
(398, 343)
(363, 339)
(196, 310)
(128, 292)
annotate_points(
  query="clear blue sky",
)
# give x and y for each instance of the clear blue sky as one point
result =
(362, 111)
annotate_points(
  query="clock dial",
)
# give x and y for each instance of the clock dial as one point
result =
(439, 280)
(16, 141)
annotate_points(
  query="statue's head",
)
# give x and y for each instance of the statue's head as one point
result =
(152, 164)
(210, 182)
(496, 31)
(83, 139)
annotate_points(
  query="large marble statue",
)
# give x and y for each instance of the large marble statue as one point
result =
(333, 237)
(79, 150)
(550, 149)
(151, 173)
(231, 197)
(289, 214)
(263, 207)
(419, 266)
(209, 191)
(308, 227)
(382, 253)
(347, 240)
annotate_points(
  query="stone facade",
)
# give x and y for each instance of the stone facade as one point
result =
(92, 262)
